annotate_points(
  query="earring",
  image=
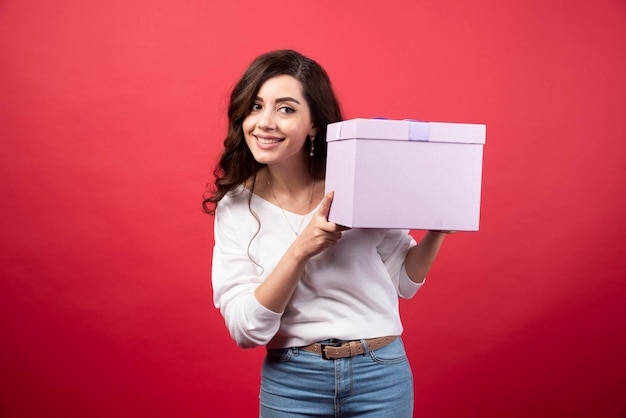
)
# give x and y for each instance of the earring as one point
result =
(312, 153)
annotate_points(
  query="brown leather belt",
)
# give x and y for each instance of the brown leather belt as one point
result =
(348, 348)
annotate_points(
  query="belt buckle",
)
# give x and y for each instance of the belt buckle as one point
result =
(323, 349)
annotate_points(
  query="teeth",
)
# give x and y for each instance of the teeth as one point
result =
(267, 141)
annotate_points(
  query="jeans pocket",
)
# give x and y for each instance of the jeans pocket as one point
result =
(280, 355)
(390, 354)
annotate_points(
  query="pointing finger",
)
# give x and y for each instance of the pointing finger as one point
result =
(325, 205)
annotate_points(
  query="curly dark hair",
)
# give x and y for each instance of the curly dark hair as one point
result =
(237, 164)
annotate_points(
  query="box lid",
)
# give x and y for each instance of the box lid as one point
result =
(406, 130)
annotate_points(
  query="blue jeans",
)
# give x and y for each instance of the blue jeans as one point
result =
(296, 383)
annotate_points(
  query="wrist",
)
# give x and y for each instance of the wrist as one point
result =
(298, 253)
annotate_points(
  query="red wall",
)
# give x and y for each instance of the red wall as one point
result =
(111, 120)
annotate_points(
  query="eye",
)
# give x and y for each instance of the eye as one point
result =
(255, 106)
(286, 109)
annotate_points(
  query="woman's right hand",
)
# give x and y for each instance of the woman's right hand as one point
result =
(276, 291)
(319, 234)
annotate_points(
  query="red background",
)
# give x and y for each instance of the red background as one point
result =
(112, 118)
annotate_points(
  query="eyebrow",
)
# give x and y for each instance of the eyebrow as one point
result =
(282, 99)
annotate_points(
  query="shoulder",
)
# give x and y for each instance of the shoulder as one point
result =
(233, 201)
(237, 195)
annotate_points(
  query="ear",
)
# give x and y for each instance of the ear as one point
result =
(313, 131)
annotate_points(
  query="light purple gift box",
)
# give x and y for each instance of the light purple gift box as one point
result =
(405, 174)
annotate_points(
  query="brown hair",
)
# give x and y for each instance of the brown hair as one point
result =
(237, 165)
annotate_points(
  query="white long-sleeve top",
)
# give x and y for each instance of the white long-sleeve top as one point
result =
(350, 291)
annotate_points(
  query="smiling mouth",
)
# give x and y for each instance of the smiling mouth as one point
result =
(269, 141)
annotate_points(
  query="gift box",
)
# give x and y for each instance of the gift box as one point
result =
(405, 174)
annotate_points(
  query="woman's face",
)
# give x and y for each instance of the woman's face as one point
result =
(279, 122)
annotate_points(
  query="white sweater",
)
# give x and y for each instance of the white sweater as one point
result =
(350, 291)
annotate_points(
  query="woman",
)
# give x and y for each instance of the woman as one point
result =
(323, 299)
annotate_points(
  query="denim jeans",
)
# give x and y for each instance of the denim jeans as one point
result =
(297, 383)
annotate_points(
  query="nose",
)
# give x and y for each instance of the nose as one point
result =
(266, 119)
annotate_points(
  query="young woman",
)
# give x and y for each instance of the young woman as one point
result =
(323, 299)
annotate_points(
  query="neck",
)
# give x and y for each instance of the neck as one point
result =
(288, 180)
(294, 193)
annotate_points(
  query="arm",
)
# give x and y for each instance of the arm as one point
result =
(235, 276)
(253, 320)
(276, 291)
(420, 258)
